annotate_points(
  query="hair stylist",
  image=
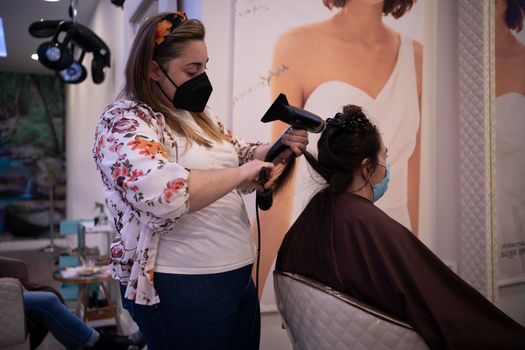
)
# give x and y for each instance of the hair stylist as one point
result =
(172, 178)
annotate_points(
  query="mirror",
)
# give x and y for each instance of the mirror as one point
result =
(509, 155)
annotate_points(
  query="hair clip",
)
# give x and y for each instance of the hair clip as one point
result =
(335, 121)
(167, 24)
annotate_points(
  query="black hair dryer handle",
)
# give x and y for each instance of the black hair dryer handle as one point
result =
(264, 200)
(275, 150)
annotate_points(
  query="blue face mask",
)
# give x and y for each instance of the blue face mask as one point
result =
(379, 189)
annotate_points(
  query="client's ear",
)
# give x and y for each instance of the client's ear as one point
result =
(366, 168)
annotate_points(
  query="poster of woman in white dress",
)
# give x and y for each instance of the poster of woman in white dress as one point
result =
(510, 145)
(323, 54)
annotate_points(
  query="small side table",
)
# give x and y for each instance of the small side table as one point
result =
(83, 309)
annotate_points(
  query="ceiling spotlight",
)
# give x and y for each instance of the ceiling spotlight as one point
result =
(34, 57)
(58, 54)
(75, 73)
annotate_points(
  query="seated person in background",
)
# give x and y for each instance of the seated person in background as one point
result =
(45, 311)
(344, 241)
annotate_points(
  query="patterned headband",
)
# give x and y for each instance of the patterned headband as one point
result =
(167, 24)
(352, 123)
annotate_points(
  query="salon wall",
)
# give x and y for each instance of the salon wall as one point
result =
(218, 17)
(84, 104)
(86, 101)
(444, 227)
(440, 182)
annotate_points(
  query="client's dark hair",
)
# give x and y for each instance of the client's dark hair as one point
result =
(514, 14)
(347, 140)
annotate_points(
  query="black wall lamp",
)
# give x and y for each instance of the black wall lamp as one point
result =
(69, 43)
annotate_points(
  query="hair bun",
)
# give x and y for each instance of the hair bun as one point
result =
(352, 119)
(353, 110)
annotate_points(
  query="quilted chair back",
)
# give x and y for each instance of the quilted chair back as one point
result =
(13, 332)
(317, 317)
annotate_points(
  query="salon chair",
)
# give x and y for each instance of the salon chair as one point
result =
(16, 331)
(13, 330)
(317, 317)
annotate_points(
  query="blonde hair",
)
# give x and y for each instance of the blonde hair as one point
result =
(139, 87)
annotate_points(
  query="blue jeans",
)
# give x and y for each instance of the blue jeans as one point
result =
(67, 328)
(213, 311)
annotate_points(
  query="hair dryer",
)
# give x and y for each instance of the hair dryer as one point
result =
(280, 154)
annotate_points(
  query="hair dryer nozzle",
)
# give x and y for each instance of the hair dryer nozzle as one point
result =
(296, 117)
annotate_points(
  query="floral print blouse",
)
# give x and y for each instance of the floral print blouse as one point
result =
(146, 189)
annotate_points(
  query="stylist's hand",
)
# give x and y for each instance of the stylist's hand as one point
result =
(296, 139)
(250, 174)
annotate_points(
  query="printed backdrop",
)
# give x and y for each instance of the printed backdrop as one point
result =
(258, 25)
(510, 166)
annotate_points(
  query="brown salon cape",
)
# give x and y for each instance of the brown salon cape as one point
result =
(378, 261)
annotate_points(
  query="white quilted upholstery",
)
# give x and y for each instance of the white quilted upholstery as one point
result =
(12, 319)
(475, 101)
(317, 318)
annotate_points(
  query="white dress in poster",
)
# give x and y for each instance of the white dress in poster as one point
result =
(323, 59)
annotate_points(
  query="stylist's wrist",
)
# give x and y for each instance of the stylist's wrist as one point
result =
(261, 151)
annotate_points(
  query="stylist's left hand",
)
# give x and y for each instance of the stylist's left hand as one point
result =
(296, 139)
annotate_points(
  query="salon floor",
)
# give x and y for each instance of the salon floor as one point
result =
(273, 336)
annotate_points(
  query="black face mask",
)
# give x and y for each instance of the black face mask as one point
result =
(192, 95)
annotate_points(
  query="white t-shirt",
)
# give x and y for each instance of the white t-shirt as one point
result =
(216, 238)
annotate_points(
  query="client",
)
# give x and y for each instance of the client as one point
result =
(344, 241)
